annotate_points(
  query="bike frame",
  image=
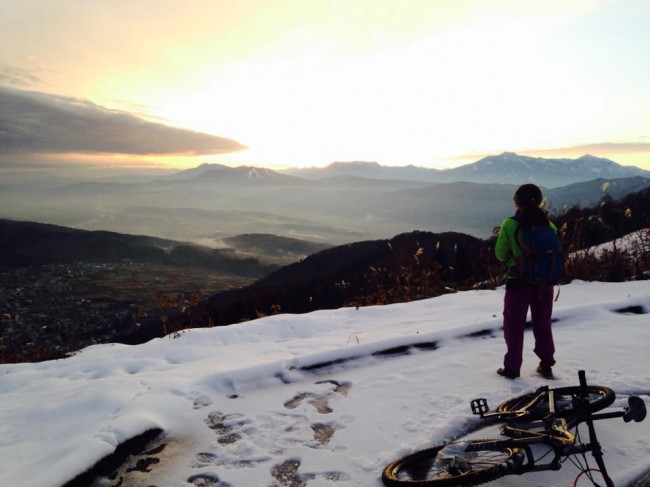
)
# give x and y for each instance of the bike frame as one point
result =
(528, 424)
(549, 431)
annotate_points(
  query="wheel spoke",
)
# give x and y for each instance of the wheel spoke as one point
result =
(427, 469)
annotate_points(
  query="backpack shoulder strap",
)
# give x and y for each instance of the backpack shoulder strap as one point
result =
(517, 232)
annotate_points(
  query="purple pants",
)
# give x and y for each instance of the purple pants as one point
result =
(516, 304)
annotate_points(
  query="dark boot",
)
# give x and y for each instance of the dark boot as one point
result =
(545, 371)
(507, 373)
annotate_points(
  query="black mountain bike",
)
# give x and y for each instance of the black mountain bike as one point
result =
(545, 417)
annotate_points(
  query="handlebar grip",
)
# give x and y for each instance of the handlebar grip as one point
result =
(583, 378)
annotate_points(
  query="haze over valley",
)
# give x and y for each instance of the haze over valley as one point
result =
(340, 203)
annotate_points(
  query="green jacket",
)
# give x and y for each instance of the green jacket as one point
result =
(506, 249)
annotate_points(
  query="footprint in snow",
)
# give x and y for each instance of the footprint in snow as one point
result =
(207, 480)
(244, 441)
(320, 399)
(287, 475)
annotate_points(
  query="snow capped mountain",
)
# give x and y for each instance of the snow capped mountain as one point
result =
(258, 173)
(514, 169)
(506, 168)
(222, 173)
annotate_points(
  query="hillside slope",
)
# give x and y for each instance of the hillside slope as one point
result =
(29, 243)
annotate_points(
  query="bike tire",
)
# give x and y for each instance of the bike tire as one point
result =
(418, 469)
(599, 398)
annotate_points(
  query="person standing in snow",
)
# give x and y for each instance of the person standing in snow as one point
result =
(520, 296)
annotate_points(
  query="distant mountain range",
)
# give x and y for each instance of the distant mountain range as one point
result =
(341, 203)
(506, 168)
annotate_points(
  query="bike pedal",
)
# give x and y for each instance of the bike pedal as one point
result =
(479, 406)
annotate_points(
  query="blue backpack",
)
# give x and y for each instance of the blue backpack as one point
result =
(542, 260)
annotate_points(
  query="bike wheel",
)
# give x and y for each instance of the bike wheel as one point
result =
(421, 469)
(599, 398)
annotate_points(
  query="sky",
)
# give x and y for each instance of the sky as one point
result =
(239, 403)
(279, 83)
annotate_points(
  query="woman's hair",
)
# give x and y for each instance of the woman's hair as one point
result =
(528, 199)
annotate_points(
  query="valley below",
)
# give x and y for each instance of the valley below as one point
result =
(49, 311)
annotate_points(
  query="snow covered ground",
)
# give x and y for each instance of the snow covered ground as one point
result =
(248, 405)
(635, 243)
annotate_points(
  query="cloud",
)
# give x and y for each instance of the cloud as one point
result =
(18, 76)
(33, 122)
(610, 148)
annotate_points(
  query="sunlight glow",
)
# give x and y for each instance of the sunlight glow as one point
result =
(308, 83)
(447, 93)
